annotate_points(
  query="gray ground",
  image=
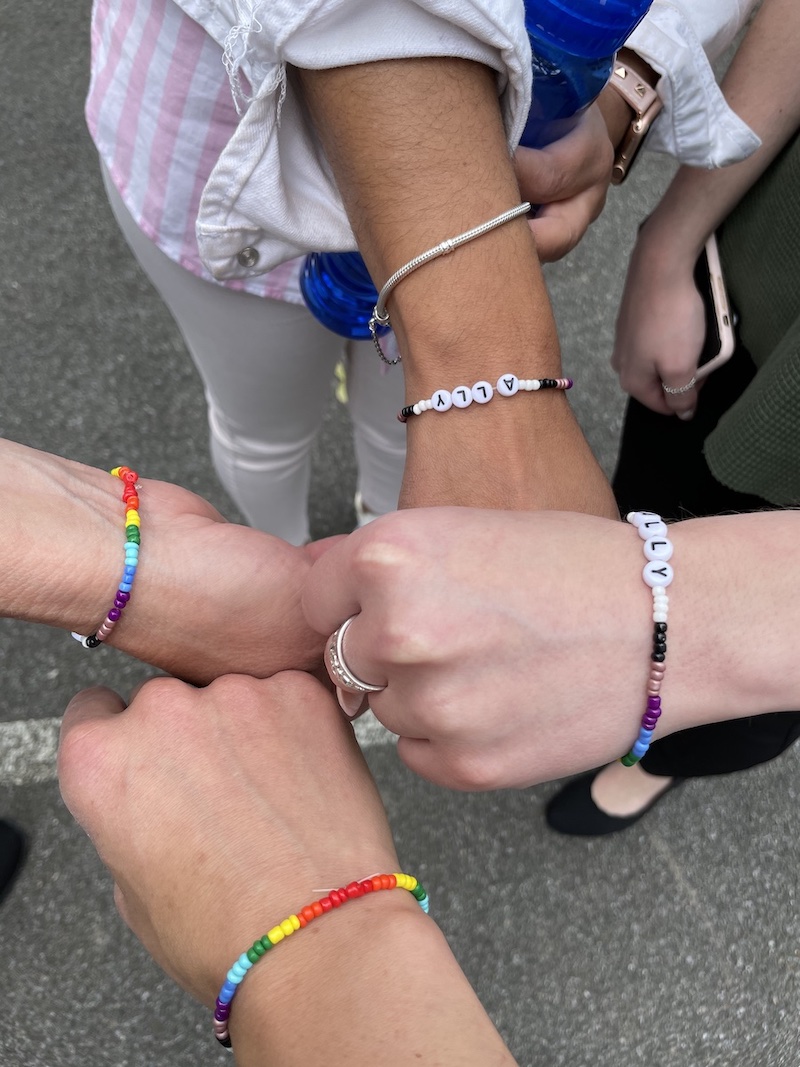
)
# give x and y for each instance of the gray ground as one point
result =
(675, 944)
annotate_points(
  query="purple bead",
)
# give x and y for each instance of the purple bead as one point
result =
(123, 596)
(649, 724)
(114, 614)
(654, 703)
(221, 1015)
(119, 603)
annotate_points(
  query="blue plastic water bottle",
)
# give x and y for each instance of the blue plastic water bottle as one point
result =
(573, 44)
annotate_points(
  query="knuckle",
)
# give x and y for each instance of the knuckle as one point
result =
(472, 770)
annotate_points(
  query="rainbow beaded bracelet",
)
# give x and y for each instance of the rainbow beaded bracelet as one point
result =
(303, 917)
(657, 574)
(133, 523)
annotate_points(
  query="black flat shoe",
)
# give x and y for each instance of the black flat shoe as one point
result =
(572, 810)
(12, 853)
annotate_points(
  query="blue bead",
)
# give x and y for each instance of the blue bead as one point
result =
(227, 991)
(125, 587)
(645, 735)
(233, 977)
(131, 546)
(225, 998)
(639, 748)
(243, 961)
(425, 904)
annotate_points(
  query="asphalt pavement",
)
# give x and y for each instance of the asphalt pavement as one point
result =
(672, 945)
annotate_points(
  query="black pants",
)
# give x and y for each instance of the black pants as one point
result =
(662, 468)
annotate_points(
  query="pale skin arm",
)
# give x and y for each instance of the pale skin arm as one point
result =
(661, 324)
(209, 597)
(440, 166)
(515, 647)
(238, 847)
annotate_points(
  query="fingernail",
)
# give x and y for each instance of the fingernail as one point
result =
(686, 415)
(350, 703)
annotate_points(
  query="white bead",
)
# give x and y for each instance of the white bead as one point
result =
(659, 590)
(507, 384)
(441, 400)
(651, 528)
(482, 392)
(535, 384)
(658, 548)
(417, 409)
(636, 518)
(657, 572)
(659, 616)
(462, 396)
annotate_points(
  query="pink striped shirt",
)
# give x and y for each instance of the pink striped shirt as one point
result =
(160, 112)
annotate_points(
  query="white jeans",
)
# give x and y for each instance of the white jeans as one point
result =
(267, 368)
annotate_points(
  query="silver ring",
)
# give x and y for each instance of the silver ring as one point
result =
(676, 390)
(340, 673)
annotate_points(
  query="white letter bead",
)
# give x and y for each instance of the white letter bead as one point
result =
(658, 548)
(651, 528)
(657, 573)
(482, 392)
(441, 400)
(636, 518)
(507, 384)
(462, 396)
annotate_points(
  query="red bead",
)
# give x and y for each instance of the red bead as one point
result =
(131, 477)
(317, 908)
(335, 899)
(326, 903)
(354, 890)
(307, 913)
(376, 883)
(367, 885)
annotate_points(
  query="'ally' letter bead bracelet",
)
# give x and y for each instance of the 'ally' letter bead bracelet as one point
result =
(130, 497)
(658, 575)
(481, 393)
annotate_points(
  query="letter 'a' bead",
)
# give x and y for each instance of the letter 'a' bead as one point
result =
(507, 384)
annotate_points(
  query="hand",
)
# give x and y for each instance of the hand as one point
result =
(569, 179)
(514, 646)
(220, 811)
(210, 597)
(661, 324)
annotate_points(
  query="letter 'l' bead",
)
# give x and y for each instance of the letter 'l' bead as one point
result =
(462, 396)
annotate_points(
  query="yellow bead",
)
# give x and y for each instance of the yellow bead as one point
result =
(401, 880)
(288, 927)
(412, 883)
(276, 934)
(115, 471)
(132, 518)
(294, 921)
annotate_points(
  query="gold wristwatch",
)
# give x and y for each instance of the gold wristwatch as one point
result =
(641, 97)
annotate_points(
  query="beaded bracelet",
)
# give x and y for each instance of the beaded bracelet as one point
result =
(481, 392)
(132, 542)
(304, 916)
(657, 574)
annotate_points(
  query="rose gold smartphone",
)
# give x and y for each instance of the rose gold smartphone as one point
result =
(720, 337)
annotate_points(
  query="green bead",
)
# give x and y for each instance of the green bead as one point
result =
(419, 891)
(265, 941)
(132, 533)
(252, 955)
(258, 948)
(629, 760)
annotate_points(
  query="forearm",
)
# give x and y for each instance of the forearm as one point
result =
(419, 153)
(762, 86)
(734, 617)
(410, 1002)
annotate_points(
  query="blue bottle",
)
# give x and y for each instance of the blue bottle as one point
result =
(573, 44)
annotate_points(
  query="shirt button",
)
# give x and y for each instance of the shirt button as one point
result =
(248, 257)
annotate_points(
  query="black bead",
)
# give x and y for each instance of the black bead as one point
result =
(661, 627)
(660, 642)
(92, 641)
(658, 657)
(408, 410)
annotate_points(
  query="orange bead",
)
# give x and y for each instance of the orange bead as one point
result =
(301, 920)
(317, 908)
(386, 881)
(133, 502)
(376, 883)
(306, 913)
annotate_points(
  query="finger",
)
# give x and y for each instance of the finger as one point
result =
(331, 593)
(98, 703)
(315, 549)
(349, 652)
(683, 402)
